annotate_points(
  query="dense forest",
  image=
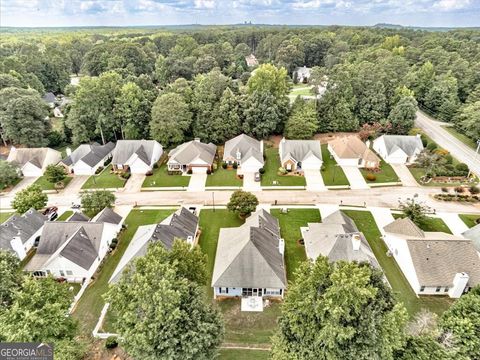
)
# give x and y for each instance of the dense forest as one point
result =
(173, 85)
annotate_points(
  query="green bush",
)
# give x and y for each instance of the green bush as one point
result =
(111, 342)
(448, 158)
(189, 171)
(261, 170)
(235, 165)
(126, 175)
(155, 166)
(371, 177)
(474, 189)
(99, 170)
(224, 165)
(424, 140)
(431, 146)
(462, 168)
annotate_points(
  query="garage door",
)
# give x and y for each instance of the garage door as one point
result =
(199, 170)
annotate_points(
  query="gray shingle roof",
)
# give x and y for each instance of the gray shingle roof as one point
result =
(80, 249)
(23, 226)
(49, 97)
(89, 154)
(411, 145)
(246, 145)
(124, 149)
(78, 216)
(109, 216)
(474, 235)
(300, 149)
(249, 256)
(36, 156)
(187, 152)
(404, 226)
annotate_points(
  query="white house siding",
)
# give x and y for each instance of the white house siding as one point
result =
(311, 163)
(157, 153)
(199, 169)
(237, 292)
(31, 170)
(343, 162)
(249, 166)
(137, 166)
(398, 157)
(80, 168)
(60, 265)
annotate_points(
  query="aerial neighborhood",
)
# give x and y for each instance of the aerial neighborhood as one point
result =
(241, 191)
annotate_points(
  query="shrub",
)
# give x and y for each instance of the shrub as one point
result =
(149, 173)
(189, 171)
(444, 189)
(209, 171)
(459, 189)
(55, 139)
(155, 166)
(224, 165)
(371, 177)
(59, 185)
(431, 146)
(126, 175)
(323, 168)
(111, 342)
(441, 152)
(474, 189)
(108, 161)
(282, 170)
(235, 165)
(99, 170)
(462, 168)
(448, 158)
(214, 166)
(261, 170)
(424, 140)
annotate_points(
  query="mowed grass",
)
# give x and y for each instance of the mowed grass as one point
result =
(386, 174)
(224, 177)
(418, 173)
(104, 180)
(272, 163)
(290, 224)
(462, 137)
(91, 303)
(161, 178)
(400, 286)
(4, 216)
(65, 215)
(332, 173)
(469, 219)
(47, 185)
(430, 224)
(243, 354)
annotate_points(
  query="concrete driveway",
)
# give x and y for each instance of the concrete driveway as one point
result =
(134, 184)
(249, 183)
(314, 180)
(404, 174)
(25, 182)
(454, 223)
(382, 217)
(197, 182)
(75, 186)
(355, 177)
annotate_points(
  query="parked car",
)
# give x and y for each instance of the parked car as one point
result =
(51, 213)
(257, 176)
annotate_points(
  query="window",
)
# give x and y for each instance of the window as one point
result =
(422, 288)
(273, 292)
(438, 289)
(446, 289)
(62, 273)
(39, 273)
(48, 272)
(69, 272)
(223, 290)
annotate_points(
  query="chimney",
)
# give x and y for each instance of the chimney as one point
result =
(68, 151)
(17, 246)
(238, 155)
(367, 143)
(281, 246)
(356, 241)
(459, 283)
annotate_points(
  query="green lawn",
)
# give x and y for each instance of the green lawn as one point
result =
(302, 89)
(223, 177)
(430, 224)
(46, 185)
(91, 303)
(419, 172)
(160, 178)
(272, 163)
(4, 216)
(290, 224)
(65, 215)
(366, 223)
(243, 354)
(104, 180)
(332, 173)
(469, 220)
(385, 175)
(462, 137)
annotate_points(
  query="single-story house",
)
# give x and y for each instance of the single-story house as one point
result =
(351, 151)
(299, 155)
(244, 151)
(182, 224)
(49, 98)
(33, 161)
(86, 159)
(71, 249)
(398, 149)
(338, 238)
(251, 60)
(434, 263)
(109, 216)
(138, 156)
(302, 73)
(19, 232)
(78, 216)
(249, 260)
(192, 155)
(474, 235)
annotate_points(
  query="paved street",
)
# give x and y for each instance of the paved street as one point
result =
(462, 152)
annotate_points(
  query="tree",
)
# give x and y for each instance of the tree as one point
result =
(55, 173)
(161, 71)
(10, 275)
(95, 201)
(335, 111)
(414, 210)
(462, 319)
(442, 98)
(268, 78)
(467, 120)
(226, 121)
(171, 119)
(243, 203)
(132, 111)
(402, 117)
(9, 174)
(174, 321)
(30, 197)
(423, 347)
(341, 310)
(302, 122)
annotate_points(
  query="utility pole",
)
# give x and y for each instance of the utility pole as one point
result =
(474, 158)
(213, 200)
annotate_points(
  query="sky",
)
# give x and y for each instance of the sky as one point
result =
(433, 13)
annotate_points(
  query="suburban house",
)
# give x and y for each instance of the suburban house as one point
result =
(138, 156)
(244, 151)
(19, 232)
(86, 159)
(474, 235)
(182, 224)
(398, 149)
(338, 238)
(299, 155)
(108, 216)
(302, 74)
(351, 151)
(71, 250)
(78, 216)
(33, 161)
(251, 60)
(193, 155)
(49, 98)
(249, 260)
(434, 263)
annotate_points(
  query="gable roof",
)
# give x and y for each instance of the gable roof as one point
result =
(334, 238)
(89, 154)
(251, 60)
(303, 71)
(124, 150)
(410, 145)
(474, 235)
(40, 157)
(188, 152)
(351, 147)
(247, 146)
(249, 256)
(49, 97)
(78, 216)
(404, 226)
(299, 150)
(109, 216)
(23, 226)
(180, 225)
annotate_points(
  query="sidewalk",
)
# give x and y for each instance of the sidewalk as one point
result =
(454, 223)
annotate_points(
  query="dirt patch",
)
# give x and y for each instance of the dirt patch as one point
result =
(97, 351)
(326, 137)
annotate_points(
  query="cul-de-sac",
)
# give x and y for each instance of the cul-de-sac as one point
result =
(277, 188)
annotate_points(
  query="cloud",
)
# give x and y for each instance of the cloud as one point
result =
(447, 5)
(204, 4)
